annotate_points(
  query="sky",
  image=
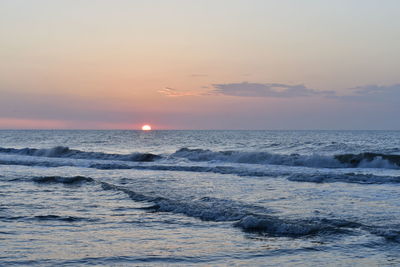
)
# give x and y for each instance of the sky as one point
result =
(201, 64)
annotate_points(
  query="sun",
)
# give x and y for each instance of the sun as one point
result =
(146, 127)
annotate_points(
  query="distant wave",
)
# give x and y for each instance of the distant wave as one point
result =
(312, 177)
(362, 160)
(258, 158)
(293, 175)
(368, 159)
(344, 178)
(66, 152)
(116, 165)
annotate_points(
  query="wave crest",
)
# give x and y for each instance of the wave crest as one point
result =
(62, 180)
(343, 177)
(368, 159)
(363, 160)
(66, 152)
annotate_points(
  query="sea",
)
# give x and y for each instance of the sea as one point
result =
(199, 198)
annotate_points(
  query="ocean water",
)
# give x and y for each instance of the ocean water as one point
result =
(199, 198)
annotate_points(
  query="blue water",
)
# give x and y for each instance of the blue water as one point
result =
(257, 198)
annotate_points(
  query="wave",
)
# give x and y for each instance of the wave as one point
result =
(343, 177)
(389, 233)
(97, 160)
(368, 159)
(63, 180)
(363, 160)
(258, 158)
(247, 217)
(66, 152)
(51, 217)
(254, 219)
(295, 175)
(240, 171)
(48, 217)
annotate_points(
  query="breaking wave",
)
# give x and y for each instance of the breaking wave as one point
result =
(246, 217)
(250, 218)
(372, 160)
(362, 160)
(66, 152)
(258, 158)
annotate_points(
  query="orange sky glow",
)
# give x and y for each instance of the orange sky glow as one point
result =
(198, 64)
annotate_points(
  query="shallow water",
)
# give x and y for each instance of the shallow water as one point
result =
(259, 198)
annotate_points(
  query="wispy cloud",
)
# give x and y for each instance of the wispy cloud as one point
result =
(172, 92)
(376, 90)
(373, 93)
(246, 89)
(367, 93)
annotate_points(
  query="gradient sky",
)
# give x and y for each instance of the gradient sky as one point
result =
(206, 64)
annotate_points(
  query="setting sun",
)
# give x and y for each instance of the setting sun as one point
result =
(146, 127)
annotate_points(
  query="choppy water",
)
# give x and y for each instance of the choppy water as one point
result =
(259, 198)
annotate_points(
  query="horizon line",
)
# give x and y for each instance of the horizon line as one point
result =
(140, 130)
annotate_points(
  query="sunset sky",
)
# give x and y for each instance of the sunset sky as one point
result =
(206, 64)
